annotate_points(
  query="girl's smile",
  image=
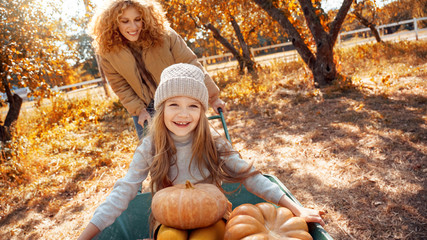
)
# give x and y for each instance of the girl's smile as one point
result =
(130, 24)
(182, 115)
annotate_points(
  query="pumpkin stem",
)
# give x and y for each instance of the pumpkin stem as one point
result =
(188, 185)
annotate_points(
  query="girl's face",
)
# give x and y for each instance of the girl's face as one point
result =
(130, 24)
(182, 114)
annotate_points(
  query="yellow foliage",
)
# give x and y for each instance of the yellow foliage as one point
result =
(371, 61)
(57, 145)
(64, 145)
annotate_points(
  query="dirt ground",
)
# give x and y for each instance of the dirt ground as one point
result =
(359, 154)
(365, 166)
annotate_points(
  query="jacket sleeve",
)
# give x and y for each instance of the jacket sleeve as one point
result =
(256, 184)
(182, 53)
(130, 100)
(125, 189)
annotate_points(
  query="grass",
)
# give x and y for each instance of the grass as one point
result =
(358, 152)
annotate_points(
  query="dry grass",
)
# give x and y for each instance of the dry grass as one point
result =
(358, 152)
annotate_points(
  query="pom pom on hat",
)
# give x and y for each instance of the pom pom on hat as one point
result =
(182, 80)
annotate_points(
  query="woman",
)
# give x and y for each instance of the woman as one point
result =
(135, 43)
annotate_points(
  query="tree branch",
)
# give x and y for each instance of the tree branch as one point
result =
(222, 40)
(243, 45)
(363, 20)
(281, 17)
(313, 21)
(191, 16)
(338, 21)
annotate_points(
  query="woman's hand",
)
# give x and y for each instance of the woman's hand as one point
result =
(143, 116)
(218, 103)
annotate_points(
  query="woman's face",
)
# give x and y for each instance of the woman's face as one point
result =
(130, 24)
(182, 115)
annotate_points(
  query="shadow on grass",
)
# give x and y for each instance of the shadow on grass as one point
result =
(49, 205)
(385, 137)
(44, 205)
(398, 215)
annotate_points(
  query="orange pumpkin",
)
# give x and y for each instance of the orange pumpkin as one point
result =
(187, 206)
(265, 221)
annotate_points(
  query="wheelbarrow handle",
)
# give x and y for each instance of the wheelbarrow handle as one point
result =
(224, 125)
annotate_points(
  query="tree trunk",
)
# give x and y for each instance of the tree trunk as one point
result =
(15, 103)
(217, 35)
(248, 62)
(375, 32)
(321, 63)
(323, 67)
(14, 109)
(368, 24)
(104, 80)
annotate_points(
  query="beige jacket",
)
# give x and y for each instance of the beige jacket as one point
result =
(121, 71)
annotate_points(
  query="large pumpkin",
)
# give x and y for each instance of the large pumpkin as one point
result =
(187, 206)
(266, 222)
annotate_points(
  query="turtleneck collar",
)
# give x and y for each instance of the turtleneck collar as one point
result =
(134, 46)
(181, 141)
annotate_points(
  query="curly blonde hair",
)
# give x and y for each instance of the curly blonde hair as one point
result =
(104, 25)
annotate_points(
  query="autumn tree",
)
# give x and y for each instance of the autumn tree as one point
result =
(82, 42)
(321, 59)
(86, 60)
(31, 53)
(234, 24)
(401, 10)
(366, 12)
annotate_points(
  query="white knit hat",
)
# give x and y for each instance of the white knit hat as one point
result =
(181, 80)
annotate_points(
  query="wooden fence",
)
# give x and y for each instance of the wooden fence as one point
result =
(360, 36)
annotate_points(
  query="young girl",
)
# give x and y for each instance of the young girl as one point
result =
(134, 43)
(181, 146)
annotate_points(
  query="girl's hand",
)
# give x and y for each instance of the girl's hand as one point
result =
(143, 116)
(308, 214)
(311, 215)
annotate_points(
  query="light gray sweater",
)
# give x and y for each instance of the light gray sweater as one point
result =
(126, 188)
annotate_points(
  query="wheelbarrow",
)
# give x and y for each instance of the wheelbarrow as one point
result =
(133, 223)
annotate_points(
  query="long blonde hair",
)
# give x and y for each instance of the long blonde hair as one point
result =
(204, 151)
(104, 28)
